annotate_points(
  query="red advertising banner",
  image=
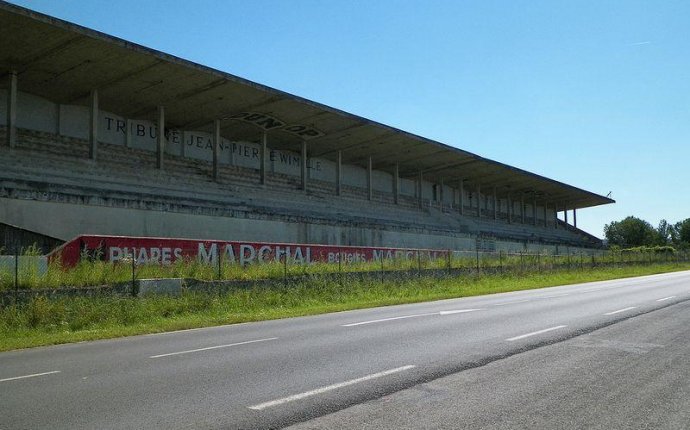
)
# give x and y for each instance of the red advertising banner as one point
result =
(157, 250)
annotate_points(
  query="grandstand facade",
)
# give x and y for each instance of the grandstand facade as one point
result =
(102, 136)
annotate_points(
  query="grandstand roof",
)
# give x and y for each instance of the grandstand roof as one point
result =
(63, 62)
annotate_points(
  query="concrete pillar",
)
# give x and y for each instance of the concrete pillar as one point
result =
(93, 124)
(160, 137)
(396, 183)
(216, 149)
(546, 221)
(440, 196)
(555, 217)
(12, 110)
(479, 202)
(339, 173)
(522, 209)
(574, 217)
(495, 208)
(304, 166)
(565, 214)
(419, 189)
(462, 197)
(534, 211)
(263, 155)
(370, 180)
(510, 210)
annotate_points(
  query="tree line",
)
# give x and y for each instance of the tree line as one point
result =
(633, 232)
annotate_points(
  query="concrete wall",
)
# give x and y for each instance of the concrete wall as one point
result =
(69, 220)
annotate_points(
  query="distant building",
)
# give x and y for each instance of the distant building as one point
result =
(103, 136)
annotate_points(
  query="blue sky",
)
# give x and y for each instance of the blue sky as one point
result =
(592, 93)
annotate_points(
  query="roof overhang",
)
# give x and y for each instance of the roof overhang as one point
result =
(64, 62)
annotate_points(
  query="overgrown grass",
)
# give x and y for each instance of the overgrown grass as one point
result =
(43, 321)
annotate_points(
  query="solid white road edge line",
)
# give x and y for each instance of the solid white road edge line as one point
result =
(29, 376)
(534, 333)
(325, 389)
(212, 347)
(621, 310)
(666, 298)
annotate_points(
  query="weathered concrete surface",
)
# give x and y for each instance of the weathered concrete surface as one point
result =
(165, 286)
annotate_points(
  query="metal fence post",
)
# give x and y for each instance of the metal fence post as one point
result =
(220, 265)
(134, 275)
(16, 275)
(500, 260)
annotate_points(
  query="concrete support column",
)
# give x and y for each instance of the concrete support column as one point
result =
(510, 210)
(263, 155)
(396, 183)
(522, 209)
(338, 173)
(440, 196)
(462, 197)
(419, 189)
(93, 124)
(216, 149)
(12, 110)
(574, 217)
(555, 217)
(546, 221)
(565, 216)
(160, 137)
(304, 166)
(370, 180)
(479, 201)
(495, 207)
(534, 211)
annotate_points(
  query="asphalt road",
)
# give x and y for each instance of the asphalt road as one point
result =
(275, 373)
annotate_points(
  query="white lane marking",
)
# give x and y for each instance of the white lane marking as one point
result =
(325, 389)
(458, 311)
(534, 333)
(553, 295)
(666, 298)
(621, 310)
(213, 347)
(510, 303)
(402, 317)
(29, 376)
(388, 319)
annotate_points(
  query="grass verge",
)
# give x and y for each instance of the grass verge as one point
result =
(47, 322)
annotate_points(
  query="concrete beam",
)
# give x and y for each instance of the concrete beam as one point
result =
(160, 137)
(12, 110)
(396, 183)
(263, 155)
(303, 169)
(370, 179)
(93, 124)
(216, 150)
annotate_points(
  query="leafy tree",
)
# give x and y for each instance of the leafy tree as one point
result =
(630, 232)
(666, 233)
(683, 231)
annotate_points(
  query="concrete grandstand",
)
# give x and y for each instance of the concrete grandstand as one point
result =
(102, 136)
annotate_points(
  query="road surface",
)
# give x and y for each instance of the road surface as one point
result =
(276, 373)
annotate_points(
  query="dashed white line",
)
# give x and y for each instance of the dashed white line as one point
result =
(510, 303)
(402, 317)
(212, 347)
(459, 311)
(666, 298)
(325, 389)
(29, 376)
(534, 333)
(388, 319)
(621, 310)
